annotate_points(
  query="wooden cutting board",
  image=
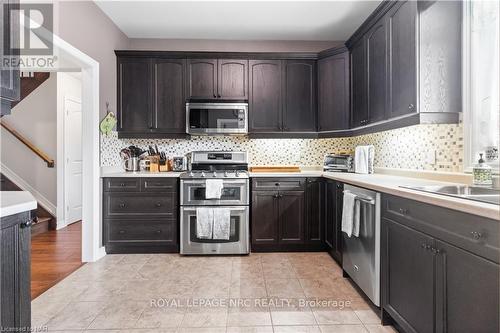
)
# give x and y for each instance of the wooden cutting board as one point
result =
(275, 169)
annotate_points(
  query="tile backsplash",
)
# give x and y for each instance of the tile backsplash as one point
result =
(420, 147)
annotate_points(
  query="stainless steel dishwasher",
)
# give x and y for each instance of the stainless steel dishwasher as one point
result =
(361, 255)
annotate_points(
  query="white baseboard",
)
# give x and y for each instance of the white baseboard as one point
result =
(40, 198)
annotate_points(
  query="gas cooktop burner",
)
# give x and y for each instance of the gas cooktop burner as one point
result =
(227, 174)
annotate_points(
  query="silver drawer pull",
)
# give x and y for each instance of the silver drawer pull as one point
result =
(403, 211)
(122, 205)
(476, 235)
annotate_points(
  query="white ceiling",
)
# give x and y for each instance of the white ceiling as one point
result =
(239, 20)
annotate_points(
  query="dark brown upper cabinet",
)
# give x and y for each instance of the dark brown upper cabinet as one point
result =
(359, 112)
(232, 79)
(217, 79)
(151, 100)
(299, 104)
(135, 95)
(376, 54)
(402, 23)
(333, 92)
(202, 78)
(264, 96)
(169, 99)
(403, 79)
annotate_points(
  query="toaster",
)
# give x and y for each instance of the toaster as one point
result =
(338, 163)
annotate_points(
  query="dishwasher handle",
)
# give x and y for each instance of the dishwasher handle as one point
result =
(362, 198)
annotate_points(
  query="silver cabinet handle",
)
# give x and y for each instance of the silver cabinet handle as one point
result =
(476, 235)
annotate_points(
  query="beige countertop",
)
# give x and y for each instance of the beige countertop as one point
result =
(378, 182)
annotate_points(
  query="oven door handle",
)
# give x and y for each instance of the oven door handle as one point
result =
(192, 209)
(226, 182)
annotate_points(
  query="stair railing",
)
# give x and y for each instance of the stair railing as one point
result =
(27, 143)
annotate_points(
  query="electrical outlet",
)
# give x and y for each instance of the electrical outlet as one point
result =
(431, 156)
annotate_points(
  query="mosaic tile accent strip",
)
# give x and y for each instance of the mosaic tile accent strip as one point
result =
(407, 148)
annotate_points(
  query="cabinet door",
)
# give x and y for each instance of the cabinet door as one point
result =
(330, 215)
(333, 92)
(202, 79)
(314, 211)
(169, 109)
(264, 217)
(402, 21)
(265, 96)
(339, 202)
(408, 277)
(467, 288)
(359, 111)
(376, 47)
(232, 79)
(134, 95)
(291, 217)
(299, 113)
(9, 77)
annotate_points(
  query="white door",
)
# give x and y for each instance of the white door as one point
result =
(73, 154)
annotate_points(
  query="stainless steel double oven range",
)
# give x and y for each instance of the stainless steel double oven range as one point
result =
(232, 169)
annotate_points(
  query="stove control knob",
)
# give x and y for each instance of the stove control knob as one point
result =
(203, 174)
(214, 174)
(237, 173)
(225, 173)
(191, 174)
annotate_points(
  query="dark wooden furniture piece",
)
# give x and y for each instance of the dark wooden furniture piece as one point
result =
(287, 214)
(440, 268)
(151, 97)
(388, 61)
(333, 90)
(9, 77)
(333, 198)
(15, 280)
(140, 215)
(214, 79)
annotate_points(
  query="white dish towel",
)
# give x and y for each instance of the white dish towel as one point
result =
(213, 188)
(350, 215)
(222, 223)
(204, 222)
(363, 159)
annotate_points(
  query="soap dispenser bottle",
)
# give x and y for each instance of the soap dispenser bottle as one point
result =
(482, 173)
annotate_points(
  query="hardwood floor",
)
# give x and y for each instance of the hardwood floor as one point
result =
(54, 255)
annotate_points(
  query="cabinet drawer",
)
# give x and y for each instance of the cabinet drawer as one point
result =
(474, 233)
(134, 205)
(158, 184)
(140, 231)
(122, 185)
(273, 184)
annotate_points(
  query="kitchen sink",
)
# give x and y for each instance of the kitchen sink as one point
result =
(477, 193)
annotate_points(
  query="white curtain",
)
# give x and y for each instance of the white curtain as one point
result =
(485, 105)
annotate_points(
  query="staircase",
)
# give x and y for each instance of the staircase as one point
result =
(29, 82)
(44, 221)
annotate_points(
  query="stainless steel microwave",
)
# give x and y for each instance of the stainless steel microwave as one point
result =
(217, 118)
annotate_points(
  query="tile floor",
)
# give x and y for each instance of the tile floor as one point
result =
(260, 293)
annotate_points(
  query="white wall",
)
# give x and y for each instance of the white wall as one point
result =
(35, 118)
(230, 45)
(83, 25)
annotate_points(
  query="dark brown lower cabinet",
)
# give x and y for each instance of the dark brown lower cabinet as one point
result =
(278, 221)
(333, 198)
(409, 278)
(291, 217)
(140, 215)
(15, 273)
(440, 270)
(315, 227)
(466, 291)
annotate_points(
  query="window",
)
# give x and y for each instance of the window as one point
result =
(481, 82)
